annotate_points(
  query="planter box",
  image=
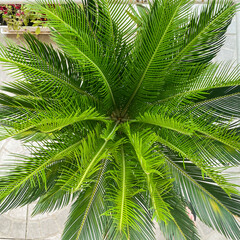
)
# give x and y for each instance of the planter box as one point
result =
(6, 30)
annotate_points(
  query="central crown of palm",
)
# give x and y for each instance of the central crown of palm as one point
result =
(129, 119)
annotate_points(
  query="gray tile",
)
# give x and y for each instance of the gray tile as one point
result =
(61, 218)
(33, 230)
(234, 170)
(225, 55)
(15, 146)
(232, 29)
(158, 233)
(47, 224)
(238, 35)
(18, 213)
(216, 236)
(4, 77)
(49, 228)
(38, 216)
(231, 42)
(57, 237)
(203, 229)
(17, 229)
(5, 238)
(5, 224)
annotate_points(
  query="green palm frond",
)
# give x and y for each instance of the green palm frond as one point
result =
(151, 164)
(181, 226)
(177, 123)
(225, 107)
(29, 193)
(205, 36)
(88, 203)
(86, 160)
(25, 195)
(214, 76)
(150, 57)
(128, 120)
(33, 67)
(210, 209)
(54, 122)
(32, 169)
(53, 201)
(199, 152)
(124, 209)
(84, 46)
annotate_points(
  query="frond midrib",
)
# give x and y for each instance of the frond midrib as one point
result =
(212, 100)
(123, 188)
(63, 81)
(222, 84)
(179, 228)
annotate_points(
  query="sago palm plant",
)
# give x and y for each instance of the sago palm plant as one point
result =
(129, 120)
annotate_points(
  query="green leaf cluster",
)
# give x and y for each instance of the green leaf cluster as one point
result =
(129, 120)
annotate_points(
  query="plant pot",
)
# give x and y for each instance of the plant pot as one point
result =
(24, 29)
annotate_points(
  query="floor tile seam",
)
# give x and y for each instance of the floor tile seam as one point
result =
(26, 224)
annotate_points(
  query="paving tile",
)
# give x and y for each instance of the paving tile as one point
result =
(232, 29)
(2, 143)
(226, 55)
(12, 239)
(158, 233)
(5, 224)
(238, 34)
(13, 223)
(16, 239)
(4, 161)
(62, 216)
(38, 216)
(49, 228)
(44, 225)
(203, 229)
(231, 43)
(4, 77)
(33, 230)
(17, 229)
(207, 233)
(18, 213)
(57, 237)
(47, 225)
(215, 236)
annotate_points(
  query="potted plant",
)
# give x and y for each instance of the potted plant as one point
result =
(128, 125)
(18, 18)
